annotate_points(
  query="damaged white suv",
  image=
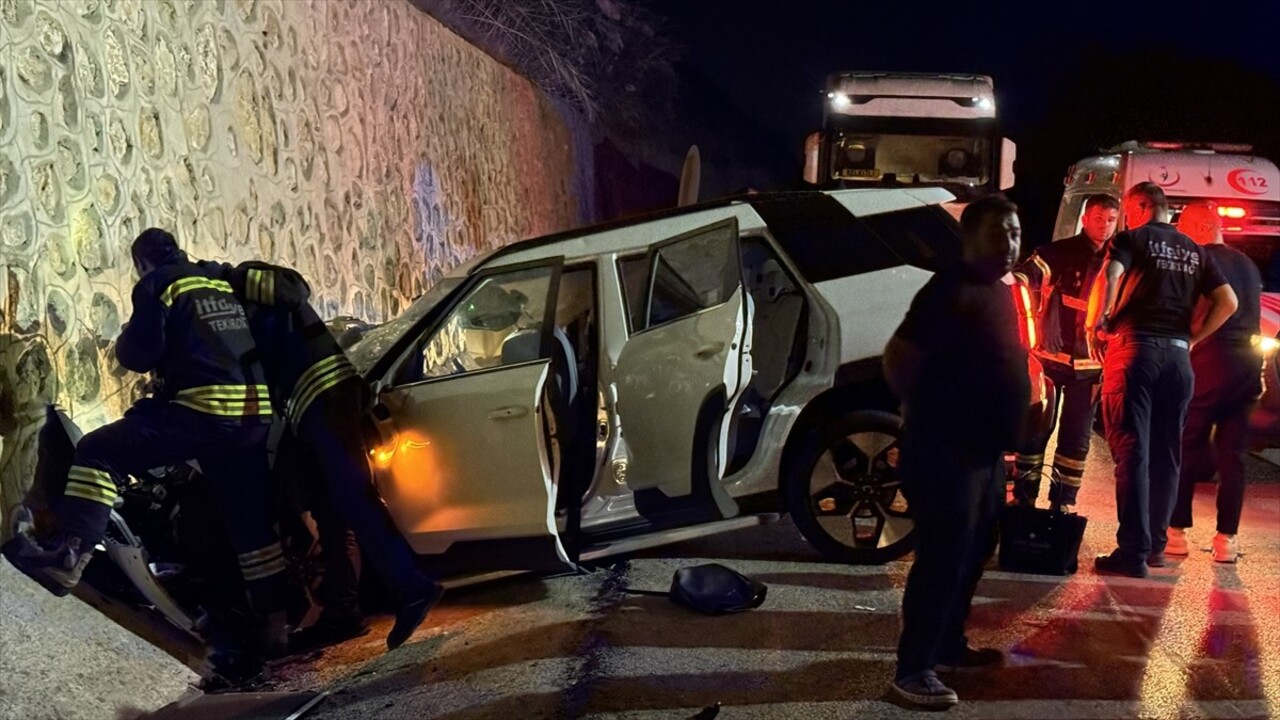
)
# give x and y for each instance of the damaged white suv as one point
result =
(623, 386)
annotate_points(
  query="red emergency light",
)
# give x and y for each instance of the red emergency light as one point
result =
(1231, 211)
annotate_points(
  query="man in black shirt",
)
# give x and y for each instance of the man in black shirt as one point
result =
(959, 367)
(1228, 382)
(1062, 272)
(1141, 310)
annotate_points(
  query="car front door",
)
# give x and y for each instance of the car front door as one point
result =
(466, 450)
(683, 366)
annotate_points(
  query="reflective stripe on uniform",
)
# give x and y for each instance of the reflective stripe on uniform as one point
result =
(263, 562)
(1070, 471)
(92, 484)
(187, 284)
(315, 380)
(260, 286)
(227, 400)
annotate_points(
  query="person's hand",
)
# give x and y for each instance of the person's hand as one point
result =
(1097, 341)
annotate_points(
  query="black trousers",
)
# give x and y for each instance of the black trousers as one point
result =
(331, 450)
(232, 455)
(955, 501)
(1227, 385)
(1076, 403)
(1146, 387)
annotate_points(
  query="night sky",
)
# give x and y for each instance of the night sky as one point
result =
(1070, 77)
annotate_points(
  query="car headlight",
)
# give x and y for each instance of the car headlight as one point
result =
(1266, 345)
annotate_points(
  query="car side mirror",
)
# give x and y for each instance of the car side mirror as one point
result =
(1008, 154)
(812, 148)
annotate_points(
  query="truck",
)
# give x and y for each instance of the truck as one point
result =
(1246, 189)
(895, 129)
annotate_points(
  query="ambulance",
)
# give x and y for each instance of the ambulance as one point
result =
(1246, 189)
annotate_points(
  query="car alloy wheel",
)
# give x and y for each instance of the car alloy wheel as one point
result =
(847, 497)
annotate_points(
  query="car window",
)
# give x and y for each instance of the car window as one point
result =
(698, 272)
(632, 272)
(496, 323)
(378, 341)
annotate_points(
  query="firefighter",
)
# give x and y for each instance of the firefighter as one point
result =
(327, 400)
(188, 328)
(1062, 273)
(1228, 383)
(1139, 326)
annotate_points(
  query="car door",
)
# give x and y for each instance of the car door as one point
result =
(465, 452)
(684, 363)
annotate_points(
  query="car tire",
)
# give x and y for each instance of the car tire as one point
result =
(846, 468)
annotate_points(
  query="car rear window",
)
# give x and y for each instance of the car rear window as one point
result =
(826, 241)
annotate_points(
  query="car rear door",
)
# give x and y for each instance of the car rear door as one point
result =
(466, 449)
(684, 364)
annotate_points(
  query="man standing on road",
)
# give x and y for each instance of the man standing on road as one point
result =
(1228, 383)
(960, 369)
(1062, 272)
(1141, 310)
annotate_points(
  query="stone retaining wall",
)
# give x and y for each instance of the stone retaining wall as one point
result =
(357, 140)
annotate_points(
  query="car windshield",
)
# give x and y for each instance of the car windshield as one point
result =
(379, 340)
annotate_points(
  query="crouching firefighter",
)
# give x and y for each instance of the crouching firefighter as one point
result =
(1063, 272)
(188, 328)
(327, 401)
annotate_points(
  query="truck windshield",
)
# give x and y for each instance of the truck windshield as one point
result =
(911, 159)
(956, 154)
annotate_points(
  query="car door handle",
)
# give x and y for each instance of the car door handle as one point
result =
(709, 351)
(508, 413)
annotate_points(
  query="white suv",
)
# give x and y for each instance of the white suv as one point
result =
(643, 382)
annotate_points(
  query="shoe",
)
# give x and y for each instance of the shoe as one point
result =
(411, 614)
(235, 672)
(1176, 542)
(326, 632)
(1225, 549)
(1157, 559)
(971, 658)
(1115, 564)
(924, 691)
(275, 635)
(58, 570)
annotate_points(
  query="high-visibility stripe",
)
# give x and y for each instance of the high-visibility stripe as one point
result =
(263, 571)
(1066, 462)
(227, 400)
(260, 286)
(187, 284)
(315, 380)
(261, 553)
(94, 493)
(92, 476)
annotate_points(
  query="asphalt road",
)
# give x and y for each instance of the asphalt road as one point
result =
(1194, 640)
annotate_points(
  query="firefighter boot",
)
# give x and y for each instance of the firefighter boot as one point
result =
(57, 569)
(275, 641)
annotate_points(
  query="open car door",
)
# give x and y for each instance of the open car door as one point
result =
(683, 366)
(467, 461)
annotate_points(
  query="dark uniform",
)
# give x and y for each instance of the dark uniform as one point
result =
(188, 328)
(1228, 382)
(326, 403)
(1062, 272)
(968, 409)
(1147, 380)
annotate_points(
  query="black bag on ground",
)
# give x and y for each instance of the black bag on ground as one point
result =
(1043, 542)
(712, 589)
